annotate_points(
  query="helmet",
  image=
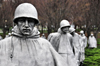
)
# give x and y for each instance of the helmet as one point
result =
(81, 31)
(92, 34)
(71, 29)
(26, 10)
(64, 23)
(43, 34)
(9, 34)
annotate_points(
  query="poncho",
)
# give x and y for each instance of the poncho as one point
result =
(19, 50)
(63, 45)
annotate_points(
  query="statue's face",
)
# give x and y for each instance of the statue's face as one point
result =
(26, 26)
(65, 29)
(92, 35)
(81, 34)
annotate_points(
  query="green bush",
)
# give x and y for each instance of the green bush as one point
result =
(44, 31)
(78, 30)
(1, 33)
(98, 41)
(92, 57)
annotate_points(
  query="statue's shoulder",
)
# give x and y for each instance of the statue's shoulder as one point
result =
(5, 43)
(42, 40)
(76, 33)
(5, 40)
(69, 35)
(54, 34)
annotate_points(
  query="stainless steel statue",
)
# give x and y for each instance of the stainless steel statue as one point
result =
(83, 44)
(76, 43)
(62, 42)
(92, 41)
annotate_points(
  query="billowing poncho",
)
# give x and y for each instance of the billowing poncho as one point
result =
(19, 50)
(83, 44)
(76, 44)
(63, 45)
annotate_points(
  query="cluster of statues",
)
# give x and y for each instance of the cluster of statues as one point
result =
(70, 44)
(25, 47)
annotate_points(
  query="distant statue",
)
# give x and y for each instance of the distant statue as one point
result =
(83, 44)
(92, 41)
(9, 34)
(43, 36)
(25, 47)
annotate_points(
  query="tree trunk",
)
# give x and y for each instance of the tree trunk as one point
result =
(4, 32)
(42, 28)
(49, 30)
